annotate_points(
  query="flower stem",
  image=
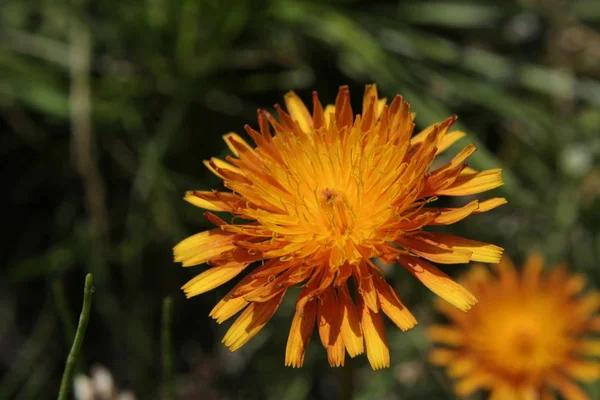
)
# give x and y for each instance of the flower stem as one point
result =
(167, 349)
(67, 378)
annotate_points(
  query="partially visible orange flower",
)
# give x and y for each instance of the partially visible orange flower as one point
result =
(316, 199)
(529, 335)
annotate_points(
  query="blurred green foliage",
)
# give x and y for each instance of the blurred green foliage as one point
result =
(108, 108)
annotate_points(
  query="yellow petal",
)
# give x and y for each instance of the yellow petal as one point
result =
(589, 347)
(366, 287)
(451, 215)
(202, 247)
(300, 333)
(329, 323)
(461, 367)
(505, 392)
(351, 326)
(532, 270)
(547, 395)
(433, 252)
(473, 382)
(329, 113)
(369, 95)
(567, 388)
(583, 371)
(221, 165)
(438, 282)
(477, 277)
(250, 322)
(298, 111)
(379, 106)
(589, 303)
(449, 139)
(575, 284)
(227, 308)
(392, 306)
(507, 273)
(210, 200)
(490, 204)
(467, 184)
(442, 125)
(446, 335)
(378, 352)
(595, 324)
(442, 357)
(212, 278)
(480, 251)
(232, 137)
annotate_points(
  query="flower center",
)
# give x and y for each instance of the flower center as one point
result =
(520, 339)
(338, 212)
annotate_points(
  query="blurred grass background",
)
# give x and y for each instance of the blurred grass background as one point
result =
(108, 108)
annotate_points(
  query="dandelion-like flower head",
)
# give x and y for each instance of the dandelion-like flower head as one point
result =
(529, 335)
(316, 198)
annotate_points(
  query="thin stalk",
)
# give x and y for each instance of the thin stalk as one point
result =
(67, 378)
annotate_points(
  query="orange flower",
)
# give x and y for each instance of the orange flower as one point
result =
(526, 337)
(320, 197)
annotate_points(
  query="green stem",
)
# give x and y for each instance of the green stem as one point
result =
(67, 378)
(167, 347)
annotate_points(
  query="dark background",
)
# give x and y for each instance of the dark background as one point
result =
(108, 108)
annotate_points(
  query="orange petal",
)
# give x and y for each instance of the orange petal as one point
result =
(480, 251)
(438, 282)
(467, 184)
(505, 392)
(567, 388)
(433, 252)
(216, 164)
(193, 197)
(227, 308)
(442, 357)
(212, 278)
(329, 323)
(202, 247)
(233, 138)
(461, 367)
(446, 335)
(507, 273)
(589, 303)
(451, 215)
(490, 204)
(595, 324)
(329, 113)
(366, 287)
(473, 382)
(589, 347)
(583, 371)
(378, 352)
(532, 270)
(250, 322)
(392, 306)
(443, 127)
(547, 395)
(298, 111)
(477, 278)
(449, 139)
(350, 326)
(300, 333)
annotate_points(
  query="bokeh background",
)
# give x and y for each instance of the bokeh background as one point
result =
(107, 110)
